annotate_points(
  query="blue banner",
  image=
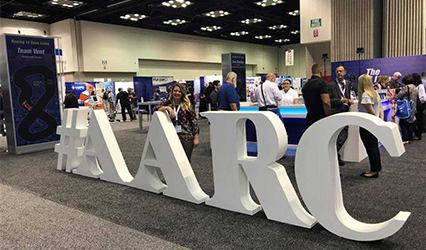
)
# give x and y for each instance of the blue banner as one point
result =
(34, 89)
(383, 66)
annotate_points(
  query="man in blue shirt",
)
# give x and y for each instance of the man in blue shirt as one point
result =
(227, 96)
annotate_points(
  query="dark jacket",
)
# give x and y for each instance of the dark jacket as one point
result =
(71, 101)
(336, 95)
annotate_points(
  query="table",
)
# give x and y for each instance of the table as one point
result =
(149, 104)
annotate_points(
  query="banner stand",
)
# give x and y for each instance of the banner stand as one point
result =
(30, 92)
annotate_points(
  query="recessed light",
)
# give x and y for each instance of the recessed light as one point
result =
(239, 33)
(267, 3)
(175, 22)
(282, 40)
(294, 13)
(278, 27)
(251, 21)
(133, 17)
(216, 13)
(176, 3)
(69, 4)
(263, 37)
(211, 28)
(295, 32)
(28, 14)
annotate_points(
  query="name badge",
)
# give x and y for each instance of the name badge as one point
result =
(178, 129)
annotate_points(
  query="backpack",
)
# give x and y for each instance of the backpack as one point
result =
(105, 96)
(404, 107)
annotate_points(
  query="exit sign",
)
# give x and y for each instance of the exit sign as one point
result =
(315, 23)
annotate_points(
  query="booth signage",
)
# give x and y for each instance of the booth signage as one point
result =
(94, 152)
(316, 22)
(289, 57)
(32, 105)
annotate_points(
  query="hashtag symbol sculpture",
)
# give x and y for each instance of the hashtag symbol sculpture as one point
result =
(73, 133)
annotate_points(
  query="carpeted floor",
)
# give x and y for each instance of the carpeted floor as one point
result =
(400, 187)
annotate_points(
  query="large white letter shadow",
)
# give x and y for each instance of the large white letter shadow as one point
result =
(318, 178)
(102, 156)
(270, 181)
(164, 150)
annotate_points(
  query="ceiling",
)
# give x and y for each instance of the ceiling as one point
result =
(110, 11)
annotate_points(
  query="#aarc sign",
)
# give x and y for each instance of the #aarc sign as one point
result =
(94, 152)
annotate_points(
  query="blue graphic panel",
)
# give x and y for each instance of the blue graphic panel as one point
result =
(34, 91)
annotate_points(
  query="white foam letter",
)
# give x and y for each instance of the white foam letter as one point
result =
(164, 150)
(268, 178)
(318, 178)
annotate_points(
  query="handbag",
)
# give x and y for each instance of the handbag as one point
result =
(404, 107)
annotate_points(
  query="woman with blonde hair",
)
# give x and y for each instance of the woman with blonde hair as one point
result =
(369, 102)
(383, 82)
(183, 117)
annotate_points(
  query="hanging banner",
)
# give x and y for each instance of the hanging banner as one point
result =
(289, 57)
(33, 100)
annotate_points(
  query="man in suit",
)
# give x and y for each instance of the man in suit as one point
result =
(340, 98)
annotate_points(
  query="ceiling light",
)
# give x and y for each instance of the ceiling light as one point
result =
(133, 17)
(174, 22)
(263, 37)
(28, 14)
(294, 13)
(278, 27)
(295, 32)
(239, 33)
(69, 4)
(211, 28)
(251, 21)
(282, 40)
(266, 3)
(176, 3)
(216, 13)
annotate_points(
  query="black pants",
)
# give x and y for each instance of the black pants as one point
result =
(341, 139)
(406, 130)
(188, 146)
(265, 108)
(129, 110)
(371, 145)
(419, 126)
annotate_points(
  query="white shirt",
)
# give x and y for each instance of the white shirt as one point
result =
(422, 94)
(288, 98)
(367, 100)
(342, 86)
(272, 94)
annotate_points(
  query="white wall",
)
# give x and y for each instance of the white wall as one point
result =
(299, 68)
(11, 26)
(122, 47)
(314, 55)
(66, 31)
(315, 9)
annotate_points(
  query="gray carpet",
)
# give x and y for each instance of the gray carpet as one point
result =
(400, 187)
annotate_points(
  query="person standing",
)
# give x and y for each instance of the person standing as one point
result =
(369, 102)
(227, 96)
(408, 92)
(421, 103)
(268, 95)
(123, 97)
(290, 96)
(340, 98)
(213, 96)
(315, 96)
(393, 83)
(183, 117)
(71, 100)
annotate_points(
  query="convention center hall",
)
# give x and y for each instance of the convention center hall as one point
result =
(219, 124)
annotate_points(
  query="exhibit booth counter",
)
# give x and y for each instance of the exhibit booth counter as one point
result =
(294, 119)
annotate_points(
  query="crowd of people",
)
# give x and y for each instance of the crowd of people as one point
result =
(323, 99)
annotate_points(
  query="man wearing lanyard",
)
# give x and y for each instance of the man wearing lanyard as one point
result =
(267, 94)
(227, 96)
(340, 98)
